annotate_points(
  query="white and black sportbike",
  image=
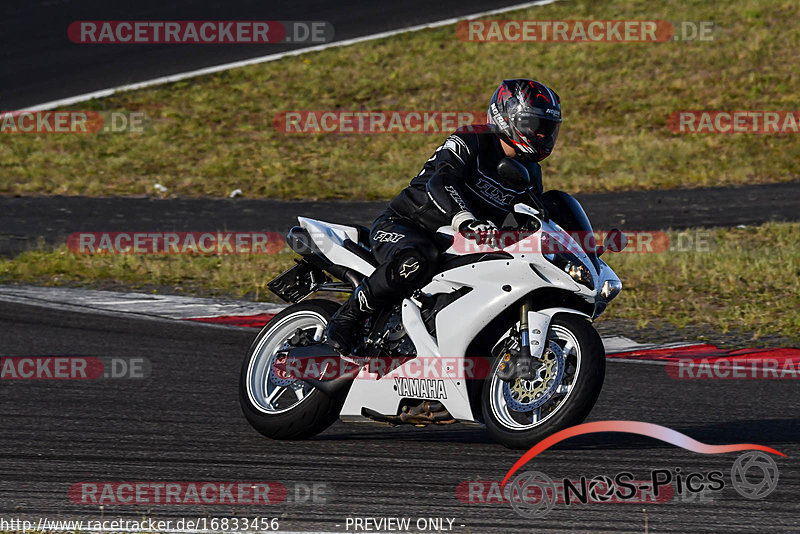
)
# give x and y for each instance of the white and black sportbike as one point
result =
(500, 338)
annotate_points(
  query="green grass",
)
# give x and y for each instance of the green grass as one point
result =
(213, 134)
(238, 276)
(748, 280)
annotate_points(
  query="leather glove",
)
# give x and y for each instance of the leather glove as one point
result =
(482, 232)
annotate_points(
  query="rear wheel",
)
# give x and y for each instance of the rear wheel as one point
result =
(561, 394)
(280, 407)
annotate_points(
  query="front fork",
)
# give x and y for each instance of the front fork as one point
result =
(519, 364)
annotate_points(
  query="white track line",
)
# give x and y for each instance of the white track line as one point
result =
(617, 344)
(640, 361)
(140, 305)
(273, 57)
(159, 305)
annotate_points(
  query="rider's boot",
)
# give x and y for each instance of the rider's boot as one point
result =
(346, 323)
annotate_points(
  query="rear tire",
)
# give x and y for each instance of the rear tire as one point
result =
(574, 408)
(309, 415)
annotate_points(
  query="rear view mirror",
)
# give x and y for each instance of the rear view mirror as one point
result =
(615, 241)
(514, 173)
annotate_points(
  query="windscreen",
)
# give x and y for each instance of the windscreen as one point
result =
(568, 213)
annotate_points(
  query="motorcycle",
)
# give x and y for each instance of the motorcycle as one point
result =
(501, 337)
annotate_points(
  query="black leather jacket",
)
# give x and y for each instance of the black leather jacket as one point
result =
(460, 177)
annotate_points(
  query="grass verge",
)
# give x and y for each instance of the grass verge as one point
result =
(748, 280)
(213, 134)
(232, 276)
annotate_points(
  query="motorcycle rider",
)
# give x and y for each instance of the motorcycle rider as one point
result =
(459, 186)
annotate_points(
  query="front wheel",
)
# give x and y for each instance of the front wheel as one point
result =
(280, 407)
(561, 394)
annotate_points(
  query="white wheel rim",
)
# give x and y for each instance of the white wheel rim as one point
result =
(264, 395)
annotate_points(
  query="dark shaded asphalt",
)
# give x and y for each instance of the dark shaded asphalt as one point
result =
(40, 64)
(23, 220)
(183, 424)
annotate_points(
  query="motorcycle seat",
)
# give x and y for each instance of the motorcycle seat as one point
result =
(363, 236)
(362, 249)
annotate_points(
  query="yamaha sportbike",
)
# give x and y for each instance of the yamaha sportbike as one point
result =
(501, 337)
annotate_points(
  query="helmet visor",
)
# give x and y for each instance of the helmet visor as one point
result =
(538, 137)
(537, 128)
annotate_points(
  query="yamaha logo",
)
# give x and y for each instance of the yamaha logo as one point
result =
(420, 388)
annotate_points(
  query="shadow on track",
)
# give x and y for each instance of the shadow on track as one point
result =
(725, 432)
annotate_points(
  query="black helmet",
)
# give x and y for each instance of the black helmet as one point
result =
(526, 114)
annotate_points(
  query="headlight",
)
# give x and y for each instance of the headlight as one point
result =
(559, 255)
(580, 274)
(610, 289)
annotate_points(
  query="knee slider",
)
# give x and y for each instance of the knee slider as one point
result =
(410, 269)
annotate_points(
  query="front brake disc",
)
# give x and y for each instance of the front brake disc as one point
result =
(526, 395)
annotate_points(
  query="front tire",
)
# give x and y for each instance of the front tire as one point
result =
(570, 404)
(281, 408)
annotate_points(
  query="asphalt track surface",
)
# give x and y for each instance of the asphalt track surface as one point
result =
(24, 220)
(45, 65)
(183, 423)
